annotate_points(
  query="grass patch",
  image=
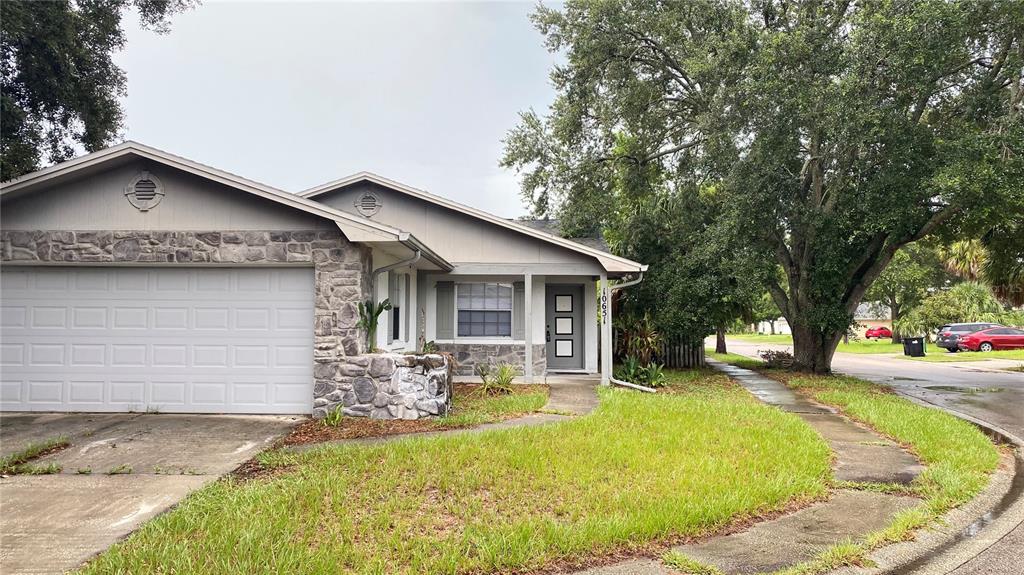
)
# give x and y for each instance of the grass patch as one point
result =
(762, 338)
(944, 356)
(686, 564)
(123, 469)
(641, 469)
(470, 407)
(958, 456)
(844, 554)
(860, 346)
(18, 463)
(735, 359)
(869, 346)
(474, 407)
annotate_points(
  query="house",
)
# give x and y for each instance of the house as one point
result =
(134, 279)
(867, 316)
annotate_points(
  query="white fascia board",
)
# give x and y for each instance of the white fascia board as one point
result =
(610, 262)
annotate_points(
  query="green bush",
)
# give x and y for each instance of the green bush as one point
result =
(497, 379)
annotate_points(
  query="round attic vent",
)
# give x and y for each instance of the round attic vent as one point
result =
(367, 204)
(144, 191)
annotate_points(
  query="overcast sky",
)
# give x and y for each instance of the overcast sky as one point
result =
(297, 94)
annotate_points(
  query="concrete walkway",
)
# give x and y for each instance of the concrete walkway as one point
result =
(568, 397)
(860, 456)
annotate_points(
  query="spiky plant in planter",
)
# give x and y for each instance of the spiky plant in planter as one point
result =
(369, 312)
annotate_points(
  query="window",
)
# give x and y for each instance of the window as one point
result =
(484, 309)
(398, 294)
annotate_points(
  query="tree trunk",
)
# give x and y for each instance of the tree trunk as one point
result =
(720, 340)
(771, 326)
(897, 337)
(813, 350)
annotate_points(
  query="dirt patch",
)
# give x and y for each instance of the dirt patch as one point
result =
(253, 469)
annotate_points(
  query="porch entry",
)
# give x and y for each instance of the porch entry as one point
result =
(564, 326)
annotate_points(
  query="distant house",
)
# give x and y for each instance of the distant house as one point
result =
(868, 315)
(135, 279)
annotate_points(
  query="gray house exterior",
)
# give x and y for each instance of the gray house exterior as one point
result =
(134, 279)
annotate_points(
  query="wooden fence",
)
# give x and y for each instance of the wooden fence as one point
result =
(673, 353)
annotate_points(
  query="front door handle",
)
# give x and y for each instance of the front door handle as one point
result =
(547, 333)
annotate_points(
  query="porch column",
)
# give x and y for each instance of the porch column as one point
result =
(605, 303)
(528, 325)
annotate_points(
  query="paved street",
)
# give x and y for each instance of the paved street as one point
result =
(979, 389)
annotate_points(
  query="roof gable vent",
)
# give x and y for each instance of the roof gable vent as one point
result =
(368, 204)
(144, 191)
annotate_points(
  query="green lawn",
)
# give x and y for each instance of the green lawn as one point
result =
(475, 408)
(870, 346)
(733, 358)
(939, 355)
(762, 338)
(640, 469)
(861, 346)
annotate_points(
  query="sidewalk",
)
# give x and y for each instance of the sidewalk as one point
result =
(861, 456)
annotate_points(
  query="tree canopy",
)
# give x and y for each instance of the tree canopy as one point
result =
(59, 87)
(834, 132)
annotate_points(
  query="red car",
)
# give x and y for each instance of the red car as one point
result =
(992, 338)
(878, 332)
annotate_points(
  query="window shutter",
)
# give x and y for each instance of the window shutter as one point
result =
(445, 310)
(518, 311)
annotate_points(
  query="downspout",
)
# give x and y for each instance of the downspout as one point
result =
(612, 379)
(373, 275)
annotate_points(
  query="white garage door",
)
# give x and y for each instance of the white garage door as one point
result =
(193, 340)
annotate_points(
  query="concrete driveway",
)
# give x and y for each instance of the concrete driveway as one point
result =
(52, 523)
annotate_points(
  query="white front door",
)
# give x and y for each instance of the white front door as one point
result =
(182, 340)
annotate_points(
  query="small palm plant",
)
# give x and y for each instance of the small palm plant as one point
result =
(497, 379)
(369, 313)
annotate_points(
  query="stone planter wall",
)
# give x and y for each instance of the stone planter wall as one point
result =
(469, 355)
(387, 386)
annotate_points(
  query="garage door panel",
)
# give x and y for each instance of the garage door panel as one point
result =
(175, 340)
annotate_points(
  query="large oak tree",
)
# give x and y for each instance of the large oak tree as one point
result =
(59, 87)
(837, 131)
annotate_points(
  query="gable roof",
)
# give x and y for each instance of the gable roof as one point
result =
(355, 228)
(610, 262)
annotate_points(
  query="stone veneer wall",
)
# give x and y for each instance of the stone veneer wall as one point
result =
(469, 355)
(341, 274)
(388, 386)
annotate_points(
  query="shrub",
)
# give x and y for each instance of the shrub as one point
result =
(497, 379)
(333, 417)
(773, 358)
(369, 312)
(629, 370)
(653, 375)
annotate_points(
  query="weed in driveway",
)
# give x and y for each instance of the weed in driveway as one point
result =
(18, 463)
(123, 469)
(690, 566)
(84, 470)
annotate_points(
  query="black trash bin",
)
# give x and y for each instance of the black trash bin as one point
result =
(913, 346)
